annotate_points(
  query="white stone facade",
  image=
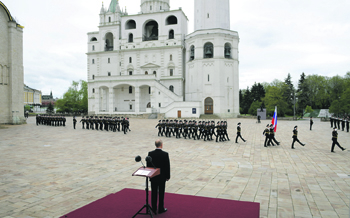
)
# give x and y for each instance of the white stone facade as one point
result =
(140, 64)
(11, 69)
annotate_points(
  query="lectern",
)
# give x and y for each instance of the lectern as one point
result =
(147, 172)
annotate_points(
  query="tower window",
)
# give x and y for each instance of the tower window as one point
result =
(228, 50)
(208, 50)
(208, 15)
(154, 72)
(171, 34)
(149, 90)
(130, 73)
(192, 53)
(130, 89)
(171, 88)
(131, 107)
(130, 60)
(208, 78)
(171, 57)
(150, 7)
(171, 72)
(93, 77)
(131, 37)
(93, 48)
(93, 61)
(109, 19)
(160, 104)
(93, 90)
(109, 60)
(146, 73)
(109, 73)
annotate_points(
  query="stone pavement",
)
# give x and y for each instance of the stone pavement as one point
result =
(49, 171)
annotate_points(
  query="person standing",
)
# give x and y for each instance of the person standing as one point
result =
(266, 133)
(347, 124)
(342, 124)
(295, 137)
(239, 133)
(335, 140)
(74, 122)
(160, 159)
(311, 123)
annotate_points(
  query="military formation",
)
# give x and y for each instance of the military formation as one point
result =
(340, 123)
(193, 129)
(50, 120)
(106, 123)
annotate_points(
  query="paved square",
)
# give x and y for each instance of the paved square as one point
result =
(49, 171)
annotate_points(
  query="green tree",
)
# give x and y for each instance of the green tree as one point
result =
(302, 93)
(319, 93)
(257, 92)
(75, 100)
(50, 109)
(289, 92)
(254, 107)
(246, 101)
(274, 97)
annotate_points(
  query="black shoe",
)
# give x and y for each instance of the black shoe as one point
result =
(333, 151)
(303, 144)
(162, 211)
(344, 149)
(293, 148)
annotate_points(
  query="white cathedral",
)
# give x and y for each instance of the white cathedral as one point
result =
(147, 63)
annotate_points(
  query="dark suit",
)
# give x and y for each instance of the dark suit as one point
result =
(160, 160)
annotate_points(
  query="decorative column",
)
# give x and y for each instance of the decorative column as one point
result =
(137, 99)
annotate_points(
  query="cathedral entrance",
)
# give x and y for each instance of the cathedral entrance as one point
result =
(208, 106)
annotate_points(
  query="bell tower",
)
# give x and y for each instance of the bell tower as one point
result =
(211, 14)
(212, 76)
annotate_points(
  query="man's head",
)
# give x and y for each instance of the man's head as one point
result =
(159, 143)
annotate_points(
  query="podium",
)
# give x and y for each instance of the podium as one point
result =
(147, 172)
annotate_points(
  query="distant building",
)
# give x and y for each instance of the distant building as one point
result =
(32, 97)
(11, 69)
(148, 63)
(47, 99)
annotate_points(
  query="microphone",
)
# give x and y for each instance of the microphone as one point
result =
(149, 159)
(138, 159)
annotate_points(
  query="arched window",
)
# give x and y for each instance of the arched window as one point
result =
(171, 34)
(171, 57)
(228, 50)
(192, 53)
(131, 24)
(130, 59)
(109, 19)
(130, 73)
(146, 73)
(93, 48)
(109, 42)
(171, 20)
(208, 50)
(93, 61)
(93, 90)
(154, 72)
(171, 72)
(171, 88)
(131, 37)
(109, 73)
(130, 89)
(150, 31)
(93, 76)
(93, 39)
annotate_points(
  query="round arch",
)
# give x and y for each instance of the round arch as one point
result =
(208, 105)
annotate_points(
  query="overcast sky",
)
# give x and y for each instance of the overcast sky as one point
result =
(276, 38)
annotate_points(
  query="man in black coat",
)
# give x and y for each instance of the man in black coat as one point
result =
(160, 159)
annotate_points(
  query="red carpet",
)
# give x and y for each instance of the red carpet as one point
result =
(127, 202)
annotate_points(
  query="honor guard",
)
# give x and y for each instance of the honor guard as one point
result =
(335, 140)
(159, 125)
(295, 137)
(266, 133)
(311, 123)
(272, 134)
(74, 122)
(239, 132)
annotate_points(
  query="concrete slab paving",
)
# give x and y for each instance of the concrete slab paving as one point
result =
(49, 171)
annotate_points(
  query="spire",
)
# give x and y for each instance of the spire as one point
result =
(113, 6)
(102, 9)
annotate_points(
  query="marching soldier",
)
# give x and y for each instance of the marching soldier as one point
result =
(311, 123)
(218, 131)
(267, 135)
(74, 122)
(224, 133)
(295, 137)
(239, 133)
(347, 124)
(272, 135)
(343, 124)
(82, 121)
(159, 125)
(335, 140)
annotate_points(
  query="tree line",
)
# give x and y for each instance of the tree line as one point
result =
(75, 99)
(313, 91)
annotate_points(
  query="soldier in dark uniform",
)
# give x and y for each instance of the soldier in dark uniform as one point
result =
(185, 128)
(37, 119)
(218, 132)
(195, 130)
(205, 131)
(159, 125)
(82, 122)
(171, 128)
(342, 124)
(224, 133)
(347, 124)
(295, 137)
(331, 120)
(335, 122)
(74, 122)
(272, 135)
(311, 123)
(335, 140)
(180, 126)
(167, 128)
(267, 135)
(338, 122)
(92, 121)
(86, 120)
(239, 133)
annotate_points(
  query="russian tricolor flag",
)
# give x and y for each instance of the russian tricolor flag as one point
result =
(274, 120)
